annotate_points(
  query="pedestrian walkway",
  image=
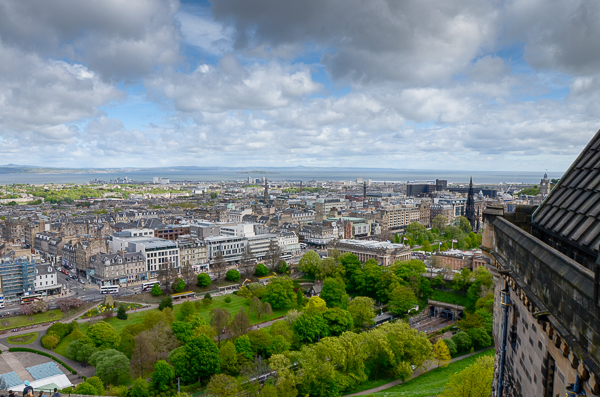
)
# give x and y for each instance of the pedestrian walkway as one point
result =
(420, 371)
(16, 366)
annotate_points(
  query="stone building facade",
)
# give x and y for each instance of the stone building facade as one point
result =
(383, 252)
(547, 272)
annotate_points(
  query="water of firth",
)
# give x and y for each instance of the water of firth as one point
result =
(282, 174)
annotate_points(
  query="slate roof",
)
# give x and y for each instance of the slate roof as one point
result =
(572, 209)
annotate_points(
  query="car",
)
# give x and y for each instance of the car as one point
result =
(15, 330)
(81, 281)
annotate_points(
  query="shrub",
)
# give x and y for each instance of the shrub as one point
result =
(227, 299)
(60, 330)
(203, 280)
(49, 341)
(207, 296)
(233, 275)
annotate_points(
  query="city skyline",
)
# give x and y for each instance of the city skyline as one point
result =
(417, 85)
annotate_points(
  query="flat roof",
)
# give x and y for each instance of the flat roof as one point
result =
(372, 244)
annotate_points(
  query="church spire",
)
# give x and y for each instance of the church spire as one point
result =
(266, 198)
(470, 210)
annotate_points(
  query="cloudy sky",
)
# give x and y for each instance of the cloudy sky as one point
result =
(423, 84)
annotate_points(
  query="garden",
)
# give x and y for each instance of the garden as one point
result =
(210, 343)
(24, 339)
(108, 307)
(32, 319)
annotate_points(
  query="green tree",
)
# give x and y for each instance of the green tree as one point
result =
(113, 370)
(441, 353)
(439, 222)
(122, 312)
(260, 342)
(309, 327)
(165, 302)
(183, 331)
(462, 341)
(367, 278)
(480, 338)
(243, 346)
(178, 285)
(334, 293)
(139, 389)
(240, 323)
(203, 280)
(415, 230)
(163, 376)
(282, 328)
(86, 388)
(97, 383)
(279, 293)
(156, 291)
(261, 270)
(315, 304)
(233, 275)
(278, 345)
(103, 335)
(186, 311)
(462, 280)
(338, 321)
(464, 224)
(285, 380)
(219, 319)
(228, 359)
(49, 341)
(222, 385)
(299, 297)
(329, 268)
(402, 299)
(451, 346)
(81, 350)
(361, 309)
(197, 361)
(473, 381)
(309, 263)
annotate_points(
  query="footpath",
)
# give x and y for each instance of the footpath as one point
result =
(420, 371)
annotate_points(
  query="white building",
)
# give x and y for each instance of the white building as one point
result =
(260, 244)
(232, 247)
(288, 243)
(46, 280)
(156, 250)
(238, 229)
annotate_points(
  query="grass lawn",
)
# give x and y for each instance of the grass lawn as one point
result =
(449, 297)
(24, 339)
(237, 302)
(61, 348)
(234, 307)
(22, 321)
(432, 382)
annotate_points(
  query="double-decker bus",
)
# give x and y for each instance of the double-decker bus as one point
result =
(109, 289)
(25, 300)
(148, 286)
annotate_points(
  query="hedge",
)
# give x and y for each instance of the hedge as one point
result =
(24, 349)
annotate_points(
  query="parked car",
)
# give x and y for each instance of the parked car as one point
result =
(81, 281)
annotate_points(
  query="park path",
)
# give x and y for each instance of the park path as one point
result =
(420, 371)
